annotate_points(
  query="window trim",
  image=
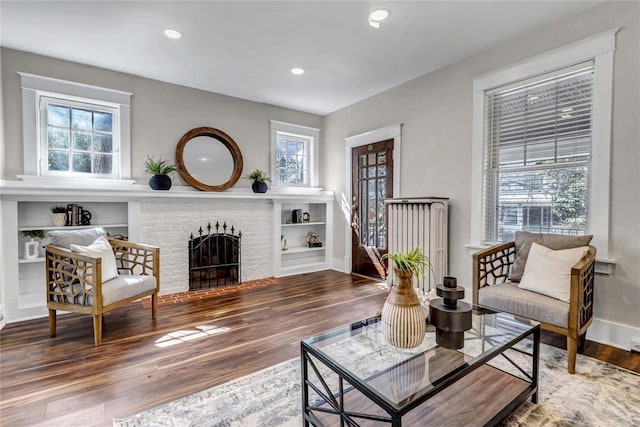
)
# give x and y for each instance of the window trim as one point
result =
(34, 87)
(600, 49)
(312, 134)
(46, 100)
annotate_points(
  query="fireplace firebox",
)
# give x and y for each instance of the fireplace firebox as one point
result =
(214, 258)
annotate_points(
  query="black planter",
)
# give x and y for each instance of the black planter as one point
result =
(160, 182)
(259, 187)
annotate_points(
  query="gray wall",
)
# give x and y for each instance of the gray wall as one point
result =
(436, 112)
(160, 114)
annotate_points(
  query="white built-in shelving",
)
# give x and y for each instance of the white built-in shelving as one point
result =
(28, 299)
(292, 254)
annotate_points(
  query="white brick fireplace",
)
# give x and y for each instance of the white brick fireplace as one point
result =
(168, 225)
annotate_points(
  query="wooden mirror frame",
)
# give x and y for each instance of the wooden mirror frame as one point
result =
(220, 136)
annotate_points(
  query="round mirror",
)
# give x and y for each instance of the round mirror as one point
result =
(209, 159)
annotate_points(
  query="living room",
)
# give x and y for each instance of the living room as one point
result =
(431, 115)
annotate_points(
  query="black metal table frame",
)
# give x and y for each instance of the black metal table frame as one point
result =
(336, 401)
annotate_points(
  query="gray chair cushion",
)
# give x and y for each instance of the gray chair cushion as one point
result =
(66, 238)
(123, 287)
(117, 289)
(524, 239)
(511, 299)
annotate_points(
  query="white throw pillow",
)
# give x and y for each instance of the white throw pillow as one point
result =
(548, 272)
(101, 248)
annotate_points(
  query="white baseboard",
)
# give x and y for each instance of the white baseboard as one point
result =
(342, 265)
(612, 333)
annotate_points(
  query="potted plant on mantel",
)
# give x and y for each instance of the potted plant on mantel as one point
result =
(260, 179)
(403, 320)
(160, 169)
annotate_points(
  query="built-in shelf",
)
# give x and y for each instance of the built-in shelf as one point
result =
(31, 300)
(303, 224)
(301, 249)
(30, 260)
(299, 257)
(304, 268)
(70, 227)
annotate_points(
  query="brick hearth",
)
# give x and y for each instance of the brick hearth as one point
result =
(209, 293)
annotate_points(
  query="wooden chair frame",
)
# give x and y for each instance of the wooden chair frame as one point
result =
(492, 265)
(65, 268)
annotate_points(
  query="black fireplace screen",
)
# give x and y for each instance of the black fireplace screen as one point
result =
(214, 259)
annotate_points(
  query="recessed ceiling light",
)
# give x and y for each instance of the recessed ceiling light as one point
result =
(297, 71)
(376, 16)
(172, 34)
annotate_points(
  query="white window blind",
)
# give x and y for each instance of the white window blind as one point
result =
(537, 155)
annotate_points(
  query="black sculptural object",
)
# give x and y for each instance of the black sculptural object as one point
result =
(450, 317)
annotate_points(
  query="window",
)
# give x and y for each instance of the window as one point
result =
(541, 146)
(538, 152)
(294, 151)
(73, 130)
(78, 138)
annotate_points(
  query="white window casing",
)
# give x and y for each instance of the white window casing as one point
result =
(599, 49)
(36, 89)
(309, 137)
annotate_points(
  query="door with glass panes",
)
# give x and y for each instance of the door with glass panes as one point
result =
(371, 183)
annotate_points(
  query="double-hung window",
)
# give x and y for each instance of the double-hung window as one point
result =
(294, 155)
(538, 155)
(542, 146)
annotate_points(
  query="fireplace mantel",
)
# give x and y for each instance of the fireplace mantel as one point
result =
(26, 191)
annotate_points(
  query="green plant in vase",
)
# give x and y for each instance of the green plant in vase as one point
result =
(403, 320)
(259, 180)
(414, 261)
(59, 215)
(160, 169)
(34, 234)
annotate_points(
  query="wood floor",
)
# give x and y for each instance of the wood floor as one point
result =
(191, 346)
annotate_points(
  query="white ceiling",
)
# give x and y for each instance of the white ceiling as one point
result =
(246, 49)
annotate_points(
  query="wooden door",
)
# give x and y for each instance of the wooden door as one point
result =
(371, 183)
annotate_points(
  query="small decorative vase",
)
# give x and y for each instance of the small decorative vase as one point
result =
(59, 219)
(31, 249)
(160, 182)
(403, 320)
(259, 187)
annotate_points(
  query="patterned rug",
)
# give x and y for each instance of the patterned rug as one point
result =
(599, 394)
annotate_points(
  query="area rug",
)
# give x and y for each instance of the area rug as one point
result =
(599, 394)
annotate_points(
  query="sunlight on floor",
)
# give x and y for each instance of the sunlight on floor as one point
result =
(181, 336)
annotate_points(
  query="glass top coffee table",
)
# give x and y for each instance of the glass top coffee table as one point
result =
(351, 376)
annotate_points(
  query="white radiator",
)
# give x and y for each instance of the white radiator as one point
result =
(420, 222)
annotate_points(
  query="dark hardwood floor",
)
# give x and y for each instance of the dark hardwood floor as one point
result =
(191, 346)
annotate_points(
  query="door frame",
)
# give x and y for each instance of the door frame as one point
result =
(389, 132)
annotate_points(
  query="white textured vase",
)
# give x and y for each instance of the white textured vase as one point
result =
(403, 320)
(59, 219)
